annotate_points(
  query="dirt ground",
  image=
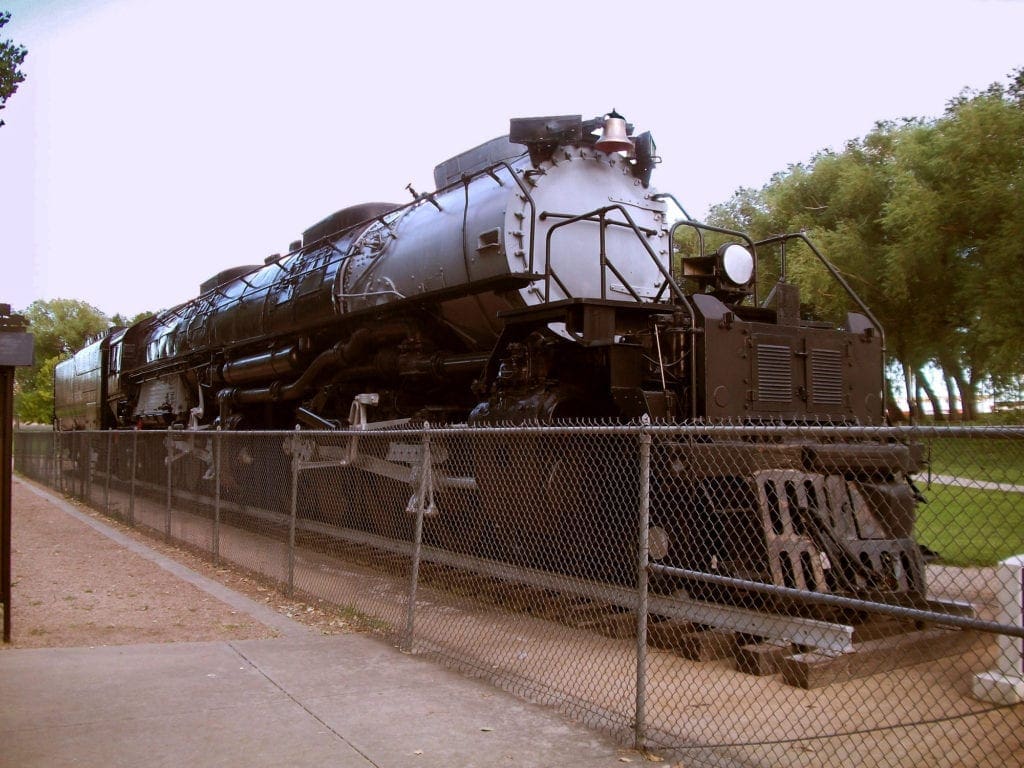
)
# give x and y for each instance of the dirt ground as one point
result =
(72, 586)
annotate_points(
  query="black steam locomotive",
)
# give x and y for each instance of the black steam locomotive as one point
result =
(541, 282)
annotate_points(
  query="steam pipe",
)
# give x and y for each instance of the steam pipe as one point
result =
(461, 364)
(344, 351)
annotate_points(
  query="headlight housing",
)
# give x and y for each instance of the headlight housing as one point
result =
(735, 266)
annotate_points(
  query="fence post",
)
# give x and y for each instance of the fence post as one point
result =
(88, 468)
(167, 515)
(131, 488)
(216, 497)
(62, 443)
(417, 538)
(106, 486)
(291, 523)
(1005, 683)
(639, 720)
(54, 455)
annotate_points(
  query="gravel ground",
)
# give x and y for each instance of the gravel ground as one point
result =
(72, 586)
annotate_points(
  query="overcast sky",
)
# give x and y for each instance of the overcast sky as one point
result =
(156, 142)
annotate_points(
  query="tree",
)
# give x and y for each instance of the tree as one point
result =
(923, 219)
(955, 212)
(840, 199)
(60, 327)
(12, 56)
(120, 321)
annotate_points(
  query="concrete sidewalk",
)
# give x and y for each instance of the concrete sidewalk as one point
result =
(343, 700)
(300, 699)
(967, 482)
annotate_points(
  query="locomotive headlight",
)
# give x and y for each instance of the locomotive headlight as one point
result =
(736, 264)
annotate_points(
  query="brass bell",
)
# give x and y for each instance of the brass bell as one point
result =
(613, 135)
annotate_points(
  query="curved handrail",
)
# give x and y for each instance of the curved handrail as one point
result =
(700, 227)
(599, 214)
(783, 239)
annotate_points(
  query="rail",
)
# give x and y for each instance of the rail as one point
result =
(700, 228)
(783, 239)
(952, 619)
(599, 215)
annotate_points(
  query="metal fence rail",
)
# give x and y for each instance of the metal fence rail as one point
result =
(738, 595)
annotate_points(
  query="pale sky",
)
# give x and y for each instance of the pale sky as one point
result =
(157, 142)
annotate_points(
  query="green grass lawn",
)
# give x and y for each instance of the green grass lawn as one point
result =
(967, 526)
(995, 459)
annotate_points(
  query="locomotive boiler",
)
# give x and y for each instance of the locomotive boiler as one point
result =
(543, 281)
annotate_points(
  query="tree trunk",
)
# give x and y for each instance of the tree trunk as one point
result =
(973, 382)
(967, 396)
(923, 383)
(953, 370)
(893, 412)
(908, 383)
(951, 394)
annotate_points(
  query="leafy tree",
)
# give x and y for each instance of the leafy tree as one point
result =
(956, 204)
(923, 219)
(60, 327)
(33, 400)
(120, 321)
(11, 58)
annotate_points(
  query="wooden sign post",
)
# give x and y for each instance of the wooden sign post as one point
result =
(16, 349)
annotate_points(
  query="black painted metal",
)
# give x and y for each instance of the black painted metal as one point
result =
(16, 349)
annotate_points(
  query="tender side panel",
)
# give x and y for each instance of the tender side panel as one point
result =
(79, 389)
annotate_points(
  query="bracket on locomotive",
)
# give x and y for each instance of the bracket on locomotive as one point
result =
(178, 447)
(414, 464)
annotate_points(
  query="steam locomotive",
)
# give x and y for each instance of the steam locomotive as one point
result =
(543, 281)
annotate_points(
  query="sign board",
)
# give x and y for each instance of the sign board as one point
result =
(16, 349)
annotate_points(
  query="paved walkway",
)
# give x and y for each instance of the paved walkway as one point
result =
(301, 699)
(966, 482)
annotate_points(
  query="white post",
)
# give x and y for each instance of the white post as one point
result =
(1005, 683)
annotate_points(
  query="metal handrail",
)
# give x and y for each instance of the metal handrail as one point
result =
(700, 227)
(526, 196)
(783, 239)
(599, 215)
(842, 601)
(670, 196)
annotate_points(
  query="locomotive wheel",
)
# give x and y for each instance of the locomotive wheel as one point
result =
(321, 498)
(459, 526)
(562, 511)
(385, 501)
(187, 473)
(122, 458)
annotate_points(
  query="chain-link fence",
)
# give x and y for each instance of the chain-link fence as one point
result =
(742, 596)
